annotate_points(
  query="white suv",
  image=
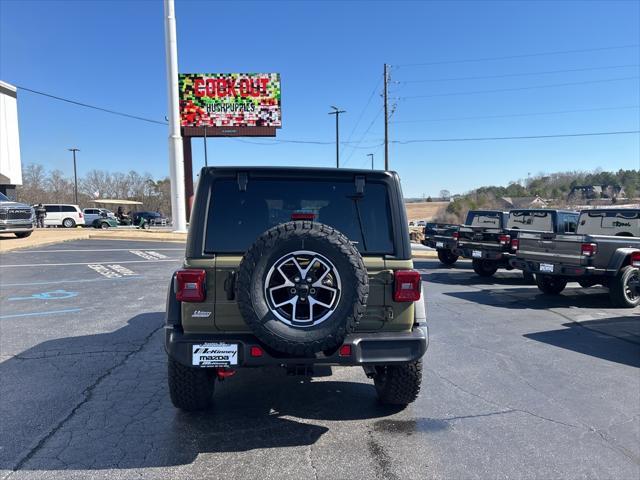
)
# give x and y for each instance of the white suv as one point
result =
(63, 215)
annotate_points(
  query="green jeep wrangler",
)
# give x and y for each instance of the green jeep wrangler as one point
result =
(295, 268)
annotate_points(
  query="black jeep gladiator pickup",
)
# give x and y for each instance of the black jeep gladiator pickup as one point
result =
(444, 238)
(489, 238)
(605, 250)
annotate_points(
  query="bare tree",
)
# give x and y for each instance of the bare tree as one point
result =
(445, 195)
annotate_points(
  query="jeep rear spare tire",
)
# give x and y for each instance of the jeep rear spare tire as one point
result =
(302, 287)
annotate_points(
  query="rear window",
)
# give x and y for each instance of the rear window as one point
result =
(528, 220)
(484, 219)
(68, 208)
(625, 223)
(237, 218)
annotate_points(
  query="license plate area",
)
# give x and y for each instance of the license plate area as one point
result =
(214, 354)
(546, 267)
(440, 244)
(476, 254)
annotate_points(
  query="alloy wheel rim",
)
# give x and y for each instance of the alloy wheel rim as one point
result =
(303, 288)
(632, 286)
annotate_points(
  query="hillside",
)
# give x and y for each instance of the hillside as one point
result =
(425, 210)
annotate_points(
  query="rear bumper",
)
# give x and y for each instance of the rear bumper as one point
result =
(381, 348)
(485, 253)
(559, 270)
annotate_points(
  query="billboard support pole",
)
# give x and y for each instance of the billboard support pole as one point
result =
(176, 159)
(206, 161)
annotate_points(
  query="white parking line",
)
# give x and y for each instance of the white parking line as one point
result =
(87, 263)
(91, 250)
(148, 254)
(112, 271)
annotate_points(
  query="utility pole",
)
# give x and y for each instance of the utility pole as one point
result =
(386, 118)
(337, 112)
(176, 156)
(371, 155)
(75, 174)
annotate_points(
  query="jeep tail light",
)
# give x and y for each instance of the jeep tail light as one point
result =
(407, 286)
(635, 259)
(515, 244)
(190, 285)
(79, 214)
(456, 236)
(504, 239)
(589, 249)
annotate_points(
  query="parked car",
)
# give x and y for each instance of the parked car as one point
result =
(604, 250)
(104, 222)
(152, 218)
(444, 238)
(489, 238)
(296, 268)
(92, 214)
(63, 215)
(16, 217)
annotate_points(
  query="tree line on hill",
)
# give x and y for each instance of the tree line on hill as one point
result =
(40, 185)
(555, 187)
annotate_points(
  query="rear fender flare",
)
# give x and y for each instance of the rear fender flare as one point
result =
(620, 258)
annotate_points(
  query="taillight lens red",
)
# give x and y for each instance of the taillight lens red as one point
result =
(504, 239)
(407, 286)
(256, 352)
(589, 249)
(635, 259)
(302, 216)
(456, 235)
(345, 351)
(190, 285)
(515, 244)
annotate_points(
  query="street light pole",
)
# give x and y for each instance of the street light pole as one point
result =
(337, 112)
(371, 155)
(75, 173)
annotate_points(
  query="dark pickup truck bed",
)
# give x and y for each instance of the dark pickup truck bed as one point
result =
(605, 250)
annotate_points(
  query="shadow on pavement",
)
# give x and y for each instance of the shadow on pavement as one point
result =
(101, 402)
(614, 339)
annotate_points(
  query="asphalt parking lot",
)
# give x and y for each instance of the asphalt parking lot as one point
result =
(516, 385)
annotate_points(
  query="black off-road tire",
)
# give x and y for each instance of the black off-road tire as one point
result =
(550, 284)
(398, 384)
(447, 257)
(278, 242)
(191, 389)
(485, 268)
(529, 278)
(619, 290)
(23, 234)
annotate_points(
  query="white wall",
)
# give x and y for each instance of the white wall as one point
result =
(10, 165)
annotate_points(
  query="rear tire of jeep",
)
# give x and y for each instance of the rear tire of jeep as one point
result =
(398, 384)
(446, 257)
(277, 323)
(622, 292)
(550, 285)
(191, 389)
(484, 268)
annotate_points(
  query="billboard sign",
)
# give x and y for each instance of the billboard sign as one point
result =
(230, 100)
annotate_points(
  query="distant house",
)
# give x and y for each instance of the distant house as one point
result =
(595, 192)
(509, 203)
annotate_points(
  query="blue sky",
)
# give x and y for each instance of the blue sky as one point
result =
(111, 54)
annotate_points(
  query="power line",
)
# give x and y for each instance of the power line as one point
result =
(531, 114)
(532, 87)
(525, 74)
(525, 55)
(364, 135)
(362, 113)
(524, 137)
(86, 105)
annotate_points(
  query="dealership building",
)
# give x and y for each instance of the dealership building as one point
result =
(10, 166)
